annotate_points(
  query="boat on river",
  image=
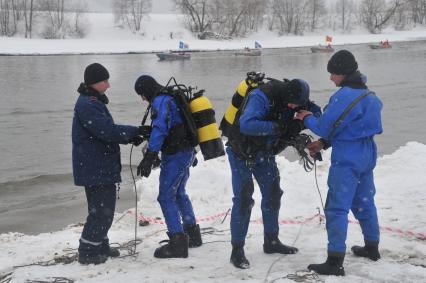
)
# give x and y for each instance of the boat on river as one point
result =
(322, 49)
(248, 52)
(257, 51)
(382, 45)
(172, 56)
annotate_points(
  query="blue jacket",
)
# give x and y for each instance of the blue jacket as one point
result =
(254, 120)
(165, 115)
(363, 120)
(95, 141)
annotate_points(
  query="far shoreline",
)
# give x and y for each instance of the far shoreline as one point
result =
(5, 54)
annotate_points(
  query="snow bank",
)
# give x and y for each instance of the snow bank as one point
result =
(400, 182)
(104, 37)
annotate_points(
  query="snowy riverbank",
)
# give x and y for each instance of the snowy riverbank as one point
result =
(105, 38)
(400, 200)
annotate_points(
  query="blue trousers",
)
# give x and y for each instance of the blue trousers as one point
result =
(266, 172)
(101, 206)
(351, 187)
(174, 201)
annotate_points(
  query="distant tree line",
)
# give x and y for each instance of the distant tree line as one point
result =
(46, 18)
(240, 17)
(64, 19)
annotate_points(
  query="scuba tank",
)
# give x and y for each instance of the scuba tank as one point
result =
(199, 118)
(253, 80)
(209, 137)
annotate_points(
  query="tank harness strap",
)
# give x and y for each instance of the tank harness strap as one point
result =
(346, 112)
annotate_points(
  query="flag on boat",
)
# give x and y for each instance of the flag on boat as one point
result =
(183, 45)
(257, 45)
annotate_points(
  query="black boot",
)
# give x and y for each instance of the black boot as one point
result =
(272, 244)
(194, 234)
(90, 254)
(332, 266)
(177, 246)
(107, 250)
(238, 258)
(370, 250)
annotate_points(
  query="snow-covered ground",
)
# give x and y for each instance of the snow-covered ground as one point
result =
(401, 203)
(104, 37)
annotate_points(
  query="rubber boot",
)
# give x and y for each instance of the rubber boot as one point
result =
(370, 250)
(238, 258)
(107, 250)
(177, 247)
(194, 234)
(272, 244)
(90, 254)
(332, 266)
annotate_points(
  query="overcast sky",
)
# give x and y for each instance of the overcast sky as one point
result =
(158, 6)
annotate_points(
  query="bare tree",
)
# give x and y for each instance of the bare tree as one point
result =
(377, 13)
(254, 13)
(79, 26)
(196, 12)
(291, 15)
(28, 10)
(418, 11)
(233, 12)
(9, 17)
(346, 9)
(317, 8)
(131, 12)
(55, 14)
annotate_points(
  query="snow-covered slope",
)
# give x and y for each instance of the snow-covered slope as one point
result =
(104, 37)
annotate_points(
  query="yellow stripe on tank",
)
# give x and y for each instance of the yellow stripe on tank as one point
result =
(200, 104)
(242, 88)
(209, 132)
(230, 114)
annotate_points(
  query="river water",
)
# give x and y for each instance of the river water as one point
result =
(38, 95)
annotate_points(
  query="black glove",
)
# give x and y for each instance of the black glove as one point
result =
(295, 127)
(195, 162)
(157, 162)
(145, 131)
(144, 168)
(280, 128)
(136, 140)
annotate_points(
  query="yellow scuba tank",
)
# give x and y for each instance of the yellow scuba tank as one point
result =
(252, 81)
(209, 138)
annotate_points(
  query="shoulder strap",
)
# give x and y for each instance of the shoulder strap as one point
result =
(346, 112)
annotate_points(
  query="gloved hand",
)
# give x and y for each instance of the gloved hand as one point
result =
(144, 168)
(145, 131)
(157, 162)
(280, 128)
(136, 140)
(195, 162)
(295, 127)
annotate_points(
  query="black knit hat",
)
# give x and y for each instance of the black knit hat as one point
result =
(147, 87)
(95, 73)
(298, 92)
(342, 63)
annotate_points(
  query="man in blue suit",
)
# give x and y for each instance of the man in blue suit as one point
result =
(349, 123)
(262, 123)
(96, 161)
(170, 136)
